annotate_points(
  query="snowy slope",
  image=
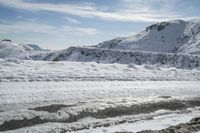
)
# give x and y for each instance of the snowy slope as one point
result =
(35, 97)
(173, 36)
(22, 51)
(109, 56)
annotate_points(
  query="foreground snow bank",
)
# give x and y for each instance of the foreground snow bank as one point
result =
(95, 105)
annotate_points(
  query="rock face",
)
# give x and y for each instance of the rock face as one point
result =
(6, 40)
(158, 26)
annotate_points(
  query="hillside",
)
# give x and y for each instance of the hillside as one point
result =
(174, 37)
(9, 49)
(107, 56)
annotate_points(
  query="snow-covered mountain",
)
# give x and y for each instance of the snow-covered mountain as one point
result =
(173, 36)
(174, 43)
(9, 49)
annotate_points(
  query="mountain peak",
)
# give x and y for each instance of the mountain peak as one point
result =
(171, 36)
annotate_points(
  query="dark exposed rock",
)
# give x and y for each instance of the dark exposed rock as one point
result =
(158, 26)
(6, 40)
(51, 108)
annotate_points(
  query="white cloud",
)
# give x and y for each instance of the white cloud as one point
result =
(133, 10)
(72, 20)
(35, 27)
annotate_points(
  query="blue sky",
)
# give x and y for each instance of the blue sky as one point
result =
(57, 24)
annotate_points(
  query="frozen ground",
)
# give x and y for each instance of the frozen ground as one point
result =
(38, 96)
(105, 106)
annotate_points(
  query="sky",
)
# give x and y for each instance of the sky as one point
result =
(58, 24)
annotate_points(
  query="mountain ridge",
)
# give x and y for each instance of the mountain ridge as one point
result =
(175, 44)
(172, 36)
